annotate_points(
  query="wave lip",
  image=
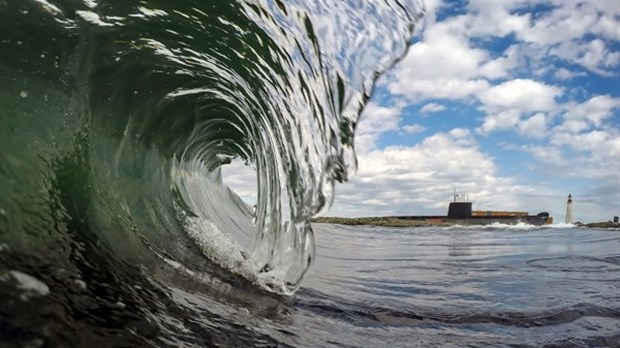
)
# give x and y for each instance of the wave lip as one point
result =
(293, 120)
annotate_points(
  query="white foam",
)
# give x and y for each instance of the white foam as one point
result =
(561, 225)
(497, 225)
(225, 252)
(215, 244)
(30, 285)
(517, 226)
(80, 283)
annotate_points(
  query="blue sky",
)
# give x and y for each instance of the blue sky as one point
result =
(514, 102)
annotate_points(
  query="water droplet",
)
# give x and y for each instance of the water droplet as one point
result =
(80, 283)
(23, 94)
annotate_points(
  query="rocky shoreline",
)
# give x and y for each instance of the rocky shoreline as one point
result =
(389, 221)
(384, 221)
(607, 224)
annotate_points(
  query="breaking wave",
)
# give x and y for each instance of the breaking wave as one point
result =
(117, 117)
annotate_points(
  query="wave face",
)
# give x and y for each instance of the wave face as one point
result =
(116, 118)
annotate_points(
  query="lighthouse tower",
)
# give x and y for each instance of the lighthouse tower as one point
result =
(569, 210)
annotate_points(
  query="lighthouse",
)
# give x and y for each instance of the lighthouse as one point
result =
(569, 210)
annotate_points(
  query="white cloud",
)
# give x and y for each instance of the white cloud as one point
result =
(419, 179)
(501, 66)
(534, 127)
(521, 95)
(593, 55)
(565, 74)
(565, 31)
(563, 23)
(569, 32)
(442, 65)
(595, 110)
(506, 103)
(374, 122)
(414, 128)
(440, 88)
(545, 154)
(499, 121)
(241, 179)
(591, 113)
(494, 18)
(583, 146)
(398, 175)
(447, 64)
(593, 155)
(607, 25)
(432, 107)
(598, 144)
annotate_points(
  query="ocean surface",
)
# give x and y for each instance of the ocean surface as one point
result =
(117, 228)
(498, 286)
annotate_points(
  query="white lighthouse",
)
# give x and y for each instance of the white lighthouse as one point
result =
(569, 210)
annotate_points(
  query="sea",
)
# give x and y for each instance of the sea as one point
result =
(117, 228)
(491, 286)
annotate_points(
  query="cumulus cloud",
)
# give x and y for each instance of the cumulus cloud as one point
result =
(567, 31)
(565, 74)
(495, 18)
(499, 121)
(413, 128)
(420, 179)
(374, 122)
(585, 145)
(506, 103)
(593, 155)
(534, 127)
(442, 65)
(565, 22)
(594, 55)
(591, 113)
(432, 107)
(521, 95)
(446, 62)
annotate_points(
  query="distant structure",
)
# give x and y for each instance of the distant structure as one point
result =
(569, 210)
(460, 207)
(460, 211)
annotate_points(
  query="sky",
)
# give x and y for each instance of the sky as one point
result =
(515, 103)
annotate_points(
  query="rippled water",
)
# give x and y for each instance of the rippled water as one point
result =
(370, 287)
(518, 286)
